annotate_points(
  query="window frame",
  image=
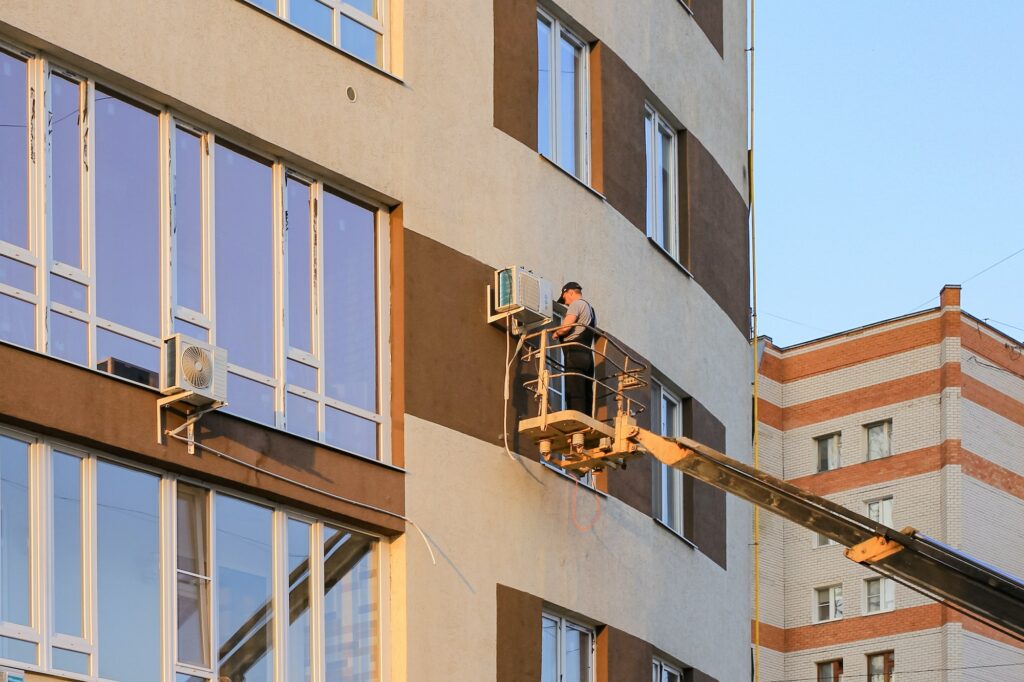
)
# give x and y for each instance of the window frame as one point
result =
(885, 510)
(836, 608)
(41, 568)
(888, 666)
(564, 623)
(886, 595)
(828, 437)
(665, 477)
(836, 671)
(559, 29)
(669, 241)
(886, 425)
(819, 540)
(660, 667)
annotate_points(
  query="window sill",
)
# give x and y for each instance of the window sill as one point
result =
(823, 622)
(672, 259)
(879, 612)
(573, 479)
(679, 536)
(567, 174)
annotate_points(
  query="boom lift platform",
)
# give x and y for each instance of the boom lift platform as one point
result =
(579, 443)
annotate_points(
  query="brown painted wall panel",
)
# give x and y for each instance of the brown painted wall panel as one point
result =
(119, 418)
(717, 219)
(707, 514)
(621, 657)
(623, 151)
(518, 646)
(708, 15)
(515, 69)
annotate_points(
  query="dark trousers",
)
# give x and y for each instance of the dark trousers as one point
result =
(579, 390)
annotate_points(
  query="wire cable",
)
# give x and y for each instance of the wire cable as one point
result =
(313, 489)
(509, 359)
(977, 274)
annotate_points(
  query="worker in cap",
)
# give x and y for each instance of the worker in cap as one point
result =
(576, 336)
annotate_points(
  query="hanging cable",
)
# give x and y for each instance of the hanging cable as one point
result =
(754, 343)
(509, 359)
(313, 489)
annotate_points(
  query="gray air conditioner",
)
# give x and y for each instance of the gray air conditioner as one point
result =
(521, 293)
(194, 367)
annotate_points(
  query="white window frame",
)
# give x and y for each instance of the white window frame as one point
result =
(39, 255)
(660, 669)
(563, 625)
(818, 440)
(559, 30)
(886, 595)
(835, 603)
(40, 454)
(880, 510)
(886, 425)
(665, 235)
(666, 477)
(820, 540)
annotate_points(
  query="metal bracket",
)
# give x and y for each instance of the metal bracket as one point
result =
(190, 422)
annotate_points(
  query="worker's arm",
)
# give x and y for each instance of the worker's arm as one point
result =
(565, 328)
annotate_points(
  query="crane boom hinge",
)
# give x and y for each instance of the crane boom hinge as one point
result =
(873, 550)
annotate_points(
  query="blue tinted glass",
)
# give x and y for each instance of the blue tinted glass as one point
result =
(127, 215)
(17, 274)
(549, 650)
(568, 105)
(71, 661)
(298, 601)
(243, 583)
(14, 543)
(65, 170)
(364, 6)
(300, 414)
(188, 329)
(67, 545)
(361, 41)
(69, 293)
(141, 355)
(188, 220)
(351, 433)
(350, 609)
(301, 375)
(300, 266)
(13, 152)
(68, 338)
(128, 568)
(17, 321)
(18, 650)
(250, 399)
(544, 88)
(269, 5)
(311, 16)
(245, 260)
(350, 306)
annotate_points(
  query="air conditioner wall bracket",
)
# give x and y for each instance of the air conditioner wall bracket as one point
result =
(191, 419)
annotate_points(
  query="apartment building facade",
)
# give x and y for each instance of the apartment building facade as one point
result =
(324, 190)
(916, 421)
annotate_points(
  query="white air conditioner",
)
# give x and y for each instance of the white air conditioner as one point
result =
(522, 293)
(196, 367)
(11, 675)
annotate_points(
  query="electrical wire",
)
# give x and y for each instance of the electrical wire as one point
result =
(313, 489)
(509, 359)
(977, 274)
(755, 441)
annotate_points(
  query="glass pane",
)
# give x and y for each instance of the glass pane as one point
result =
(17, 321)
(311, 16)
(250, 399)
(127, 215)
(14, 135)
(549, 650)
(300, 266)
(193, 620)
(14, 538)
(182, 677)
(652, 189)
(192, 541)
(67, 544)
(350, 606)
(188, 220)
(350, 303)
(245, 261)
(361, 41)
(128, 567)
(135, 360)
(17, 650)
(298, 601)
(244, 582)
(17, 274)
(667, 191)
(269, 5)
(302, 375)
(71, 661)
(544, 88)
(301, 416)
(569, 106)
(364, 6)
(68, 338)
(69, 293)
(878, 441)
(577, 656)
(65, 170)
(188, 329)
(351, 433)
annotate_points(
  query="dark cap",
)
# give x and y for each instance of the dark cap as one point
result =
(568, 287)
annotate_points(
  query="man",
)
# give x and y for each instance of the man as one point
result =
(578, 358)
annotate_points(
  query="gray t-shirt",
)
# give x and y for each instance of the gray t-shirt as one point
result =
(585, 314)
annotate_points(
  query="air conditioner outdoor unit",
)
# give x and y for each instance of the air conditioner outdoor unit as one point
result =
(11, 675)
(522, 293)
(196, 367)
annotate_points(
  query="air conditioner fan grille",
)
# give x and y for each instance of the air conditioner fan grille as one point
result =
(197, 366)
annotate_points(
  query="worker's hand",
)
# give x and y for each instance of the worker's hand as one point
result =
(554, 337)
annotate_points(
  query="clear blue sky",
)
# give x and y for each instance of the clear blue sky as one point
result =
(889, 154)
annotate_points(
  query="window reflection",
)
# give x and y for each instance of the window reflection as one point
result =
(193, 577)
(350, 433)
(312, 16)
(544, 88)
(569, 105)
(14, 137)
(67, 544)
(188, 220)
(14, 538)
(299, 233)
(350, 625)
(359, 40)
(299, 595)
(17, 321)
(65, 169)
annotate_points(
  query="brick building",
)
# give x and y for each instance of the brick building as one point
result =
(915, 421)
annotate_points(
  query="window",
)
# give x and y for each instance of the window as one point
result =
(880, 511)
(879, 595)
(668, 481)
(830, 671)
(355, 26)
(241, 576)
(881, 667)
(186, 233)
(821, 540)
(556, 365)
(662, 187)
(567, 650)
(663, 672)
(562, 119)
(879, 440)
(828, 452)
(828, 603)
